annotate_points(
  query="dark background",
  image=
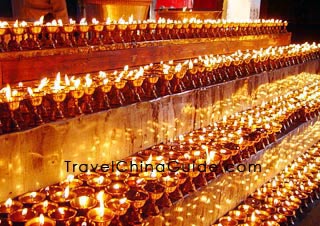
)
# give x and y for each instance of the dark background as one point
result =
(303, 15)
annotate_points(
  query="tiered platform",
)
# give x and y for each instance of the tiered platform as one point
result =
(102, 137)
(35, 158)
(36, 64)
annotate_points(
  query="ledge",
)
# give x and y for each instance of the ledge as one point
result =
(36, 64)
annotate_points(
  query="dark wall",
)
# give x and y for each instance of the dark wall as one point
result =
(5, 9)
(215, 5)
(303, 17)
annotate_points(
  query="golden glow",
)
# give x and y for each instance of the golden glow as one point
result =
(66, 192)
(24, 211)
(8, 203)
(41, 219)
(100, 180)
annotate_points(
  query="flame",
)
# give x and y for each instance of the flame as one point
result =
(8, 203)
(95, 21)
(76, 83)
(88, 80)
(33, 195)
(105, 81)
(197, 153)
(290, 184)
(60, 23)
(153, 174)
(52, 23)
(241, 140)
(44, 82)
(101, 211)
(246, 207)
(122, 201)
(253, 217)
(186, 156)
(138, 181)
(4, 24)
(139, 73)
(8, 93)
(57, 82)
(101, 203)
(66, 80)
(149, 160)
(102, 74)
(167, 178)
(160, 158)
(30, 91)
(66, 192)
(100, 180)
(16, 23)
(41, 219)
(39, 22)
(83, 21)
(130, 21)
(83, 201)
(70, 178)
(100, 196)
(23, 24)
(72, 22)
(224, 119)
(24, 211)
(190, 64)
(259, 192)
(116, 186)
(47, 189)
(121, 21)
(84, 224)
(208, 160)
(108, 20)
(61, 210)
(278, 193)
(133, 161)
(45, 204)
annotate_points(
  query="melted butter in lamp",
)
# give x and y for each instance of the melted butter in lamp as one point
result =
(41, 221)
